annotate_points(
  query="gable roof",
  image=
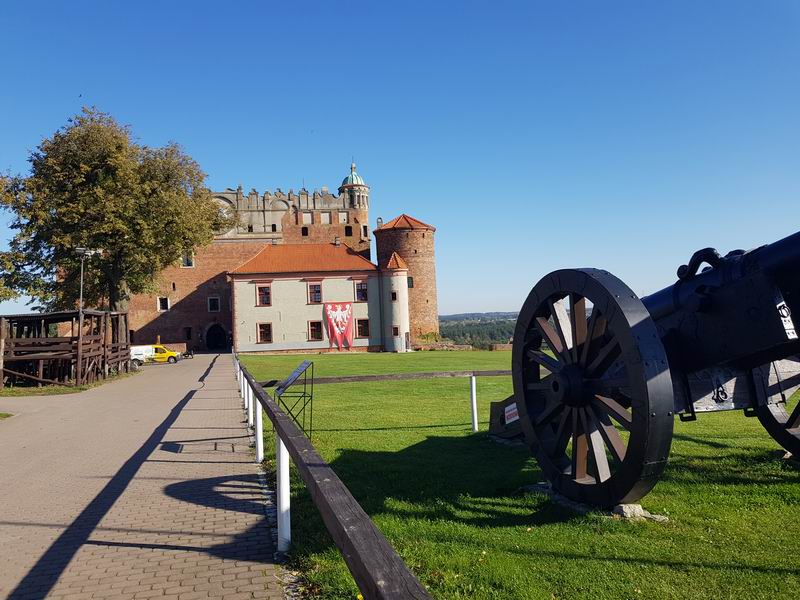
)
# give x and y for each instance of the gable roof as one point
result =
(304, 258)
(404, 221)
(395, 262)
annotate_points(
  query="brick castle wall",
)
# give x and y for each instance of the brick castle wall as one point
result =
(319, 233)
(416, 247)
(188, 290)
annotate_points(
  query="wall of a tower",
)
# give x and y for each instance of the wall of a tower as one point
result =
(416, 247)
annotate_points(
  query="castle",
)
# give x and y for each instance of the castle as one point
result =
(195, 306)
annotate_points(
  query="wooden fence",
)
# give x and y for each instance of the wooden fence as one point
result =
(65, 348)
(377, 569)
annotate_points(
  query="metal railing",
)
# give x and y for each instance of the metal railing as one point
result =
(377, 569)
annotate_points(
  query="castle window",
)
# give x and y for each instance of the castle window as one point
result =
(394, 296)
(249, 229)
(315, 331)
(187, 259)
(362, 328)
(264, 296)
(265, 333)
(361, 291)
(314, 293)
(364, 231)
(348, 231)
(307, 219)
(274, 228)
(213, 304)
(304, 232)
(411, 282)
(395, 331)
(343, 217)
(163, 304)
(187, 333)
(325, 218)
(173, 286)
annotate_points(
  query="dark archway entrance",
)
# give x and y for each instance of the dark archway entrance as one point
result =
(216, 338)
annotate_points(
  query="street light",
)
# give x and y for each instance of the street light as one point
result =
(84, 253)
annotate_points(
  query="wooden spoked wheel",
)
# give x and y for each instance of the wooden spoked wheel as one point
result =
(593, 387)
(782, 419)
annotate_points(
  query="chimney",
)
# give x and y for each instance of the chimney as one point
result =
(380, 222)
(337, 242)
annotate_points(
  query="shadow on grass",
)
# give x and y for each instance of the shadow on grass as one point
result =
(467, 480)
(743, 468)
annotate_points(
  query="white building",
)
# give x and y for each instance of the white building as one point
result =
(280, 297)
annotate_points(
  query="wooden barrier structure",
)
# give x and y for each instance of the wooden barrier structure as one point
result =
(377, 569)
(63, 348)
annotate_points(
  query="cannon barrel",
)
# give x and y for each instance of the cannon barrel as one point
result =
(735, 311)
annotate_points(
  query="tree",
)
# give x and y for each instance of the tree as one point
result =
(92, 186)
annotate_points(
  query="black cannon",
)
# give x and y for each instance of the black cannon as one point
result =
(599, 374)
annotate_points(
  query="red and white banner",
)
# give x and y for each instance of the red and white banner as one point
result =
(339, 316)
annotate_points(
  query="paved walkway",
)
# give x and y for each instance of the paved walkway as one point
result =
(144, 487)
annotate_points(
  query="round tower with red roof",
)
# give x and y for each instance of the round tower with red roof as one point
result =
(413, 241)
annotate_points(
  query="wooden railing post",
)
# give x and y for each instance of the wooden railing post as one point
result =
(250, 408)
(259, 433)
(79, 358)
(284, 514)
(473, 399)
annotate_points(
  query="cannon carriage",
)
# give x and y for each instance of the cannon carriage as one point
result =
(599, 374)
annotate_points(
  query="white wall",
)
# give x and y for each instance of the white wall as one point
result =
(290, 312)
(395, 313)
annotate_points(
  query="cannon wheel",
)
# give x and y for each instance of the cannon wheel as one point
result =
(597, 413)
(782, 419)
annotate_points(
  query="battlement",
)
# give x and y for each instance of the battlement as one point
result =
(321, 199)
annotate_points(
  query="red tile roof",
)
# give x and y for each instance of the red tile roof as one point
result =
(304, 258)
(406, 222)
(395, 262)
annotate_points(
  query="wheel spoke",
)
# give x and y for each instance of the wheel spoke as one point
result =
(596, 330)
(794, 419)
(580, 451)
(604, 358)
(538, 386)
(577, 313)
(552, 338)
(609, 385)
(610, 434)
(548, 362)
(615, 409)
(562, 434)
(551, 409)
(563, 327)
(597, 448)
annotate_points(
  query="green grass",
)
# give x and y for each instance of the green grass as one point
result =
(5, 415)
(448, 499)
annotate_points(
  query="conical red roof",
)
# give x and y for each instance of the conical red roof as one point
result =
(406, 222)
(395, 262)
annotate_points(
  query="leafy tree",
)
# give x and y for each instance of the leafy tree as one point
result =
(92, 186)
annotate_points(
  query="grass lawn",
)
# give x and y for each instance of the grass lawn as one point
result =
(4, 415)
(448, 499)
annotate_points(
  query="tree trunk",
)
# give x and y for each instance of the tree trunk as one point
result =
(118, 296)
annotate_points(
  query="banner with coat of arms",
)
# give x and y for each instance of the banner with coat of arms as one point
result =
(339, 317)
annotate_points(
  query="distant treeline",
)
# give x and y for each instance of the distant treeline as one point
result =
(478, 333)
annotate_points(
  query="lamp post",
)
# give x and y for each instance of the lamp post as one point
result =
(83, 253)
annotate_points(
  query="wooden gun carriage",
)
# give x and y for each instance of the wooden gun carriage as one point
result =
(599, 374)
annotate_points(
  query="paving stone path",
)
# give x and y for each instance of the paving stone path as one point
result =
(141, 488)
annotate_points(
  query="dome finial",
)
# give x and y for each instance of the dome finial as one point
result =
(353, 166)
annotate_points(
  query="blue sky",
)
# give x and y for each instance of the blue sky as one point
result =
(534, 135)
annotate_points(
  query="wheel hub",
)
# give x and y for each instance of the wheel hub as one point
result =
(567, 386)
